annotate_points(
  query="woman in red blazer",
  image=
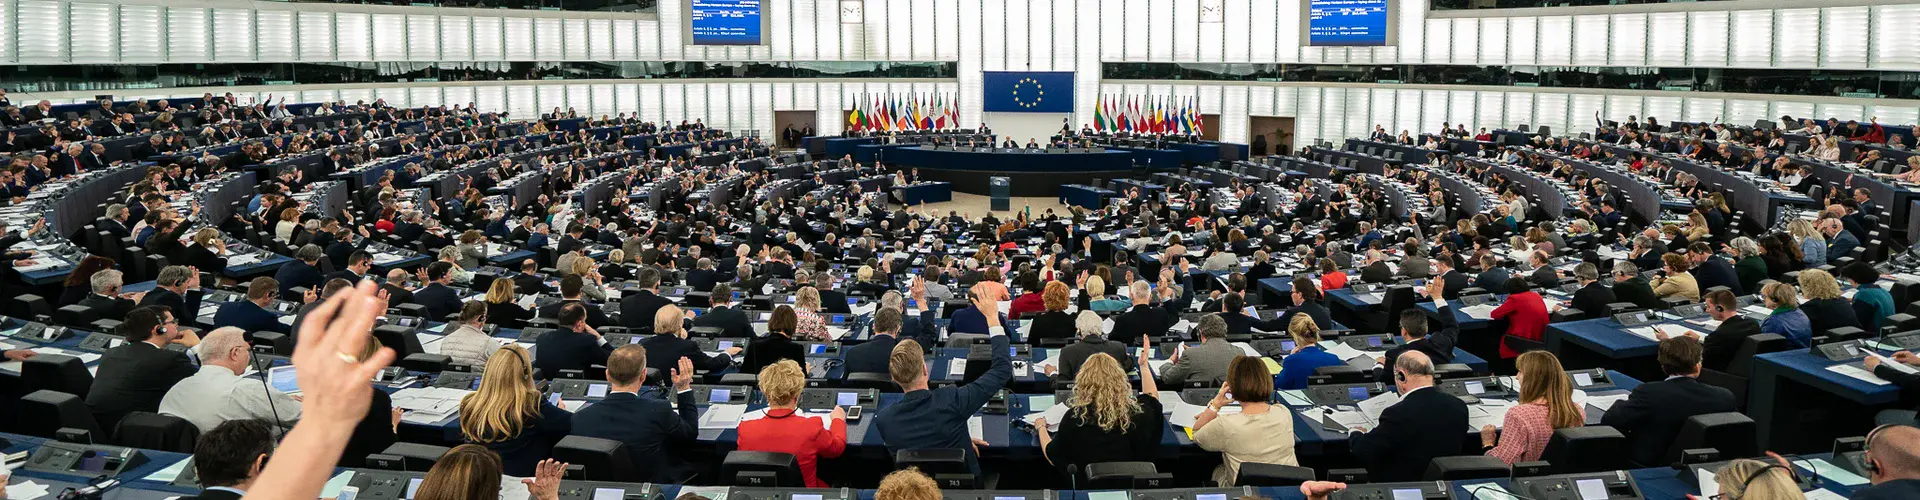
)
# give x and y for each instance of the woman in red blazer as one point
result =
(784, 430)
(1525, 312)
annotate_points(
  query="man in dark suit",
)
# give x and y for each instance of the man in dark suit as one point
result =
(1306, 300)
(702, 276)
(1492, 276)
(136, 375)
(303, 272)
(649, 427)
(1414, 338)
(396, 287)
(1710, 270)
(228, 457)
(1452, 280)
(1652, 415)
(439, 297)
(573, 346)
(529, 281)
(1425, 424)
(253, 314)
(358, 263)
(116, 221)
(638, 308)
(872, 356)
(177, 288)
(1543, 275)
(1593, 296)
(1733, 331)
(570, 289)
(1376, 270)
(1896, 468)
(731, 321)
(669, 343)
(936, 418)
(571, 241)
(1840, 242)
(831, 301)
(1143, 319)
(1628, 286)
(105, 300)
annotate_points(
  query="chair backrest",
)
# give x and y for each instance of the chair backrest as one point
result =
(1259, 474)
(155, 431)
(29, 306)
(602, 459)
(399, 338)
(44, 413)
(761, 469)
(74, 315)
(1733, 434)
(1124, 475)
(948, 466)
(1464, 467)
(1591, 448)
(415, 456)
(1742, 362)
(869, 380)
(1342, 374)
(58, 373)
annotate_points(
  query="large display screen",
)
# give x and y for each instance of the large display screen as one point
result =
(726, 22)
(1348, 22)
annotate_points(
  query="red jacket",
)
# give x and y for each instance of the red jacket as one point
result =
(1028, 303)
(783, 432)
(1526, 318)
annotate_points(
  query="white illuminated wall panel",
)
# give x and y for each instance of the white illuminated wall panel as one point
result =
(1706, 110)
(1707, 38)
(1407, 112)
(273, 31)
(1745, 112)
(1523, 41)
(1466, 40)
(459, 95)
(1667, 39)
(519, 44)
(141, 36)
(1490, 110)
(550, 97)
(946, 35)
(1381, 111)
(1460, 105)
(1590, 40)
(1439, 44)
(547, 42)
(1186, 28)
(1795, 44)
(389, 37)
(1620, 107)
(1519, 109)
(1493, 40)
(425, 95)
(1841, 44)
(1752, 39)
(316, 36)
(94, 21)
(493, 98)
(1412, 29)
(1895, 48)
(1113, 43)
(186, 34)
(1896, 114)
(489, 40)
(42, 46)
(578, 98)
(1556, 40)
(1793, 109)
(233, 35)
(993, 39)
(600, 40)
(456, 38)
(423, 38)
(573, 33)
(1334, 112)
(1062, 31)
(1433, 110)
(1627, 37)
(1661, 109)
(1307, 129)
(625, 46)
(353, 36)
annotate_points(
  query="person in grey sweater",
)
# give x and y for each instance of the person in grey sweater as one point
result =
(468, 344)
(1207, 361)
(1088, 325)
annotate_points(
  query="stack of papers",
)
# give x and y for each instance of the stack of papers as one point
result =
(1054, 415)
(976, 428)
(1605, 403)
(1651, 332)
(26, 491)
(1894, 365)
(1857, 372)
(1489, 412)
(1342, 350)
(1482, 311)
(724, 416)
(1185, 414)
(1709, 323)
(427, 405)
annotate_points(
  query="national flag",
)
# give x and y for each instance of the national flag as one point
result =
(853, 118)
(1099, 120)
(926, 115)
(953, 111)
(1126, 123)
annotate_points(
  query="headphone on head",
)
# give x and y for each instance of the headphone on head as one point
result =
(1866, 455)
(1745, 485)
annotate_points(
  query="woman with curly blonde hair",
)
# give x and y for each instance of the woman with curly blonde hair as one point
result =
(1106, 420)
(806, 306)
(1825, 305)
(507, 414)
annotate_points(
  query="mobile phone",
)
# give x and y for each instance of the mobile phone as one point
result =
(348, 493)
(853, 414)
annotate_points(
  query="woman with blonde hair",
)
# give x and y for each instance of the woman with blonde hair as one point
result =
(1546, 405)
(1813, 245)
(1749, 479)
(1825, 307)
(1096, 293)
(1674, 280)
(907, 484)
(593, 285)
(1106, 420)
(785, 430)
(1786, 318)
(288, 225)
(507, 414)
(1307, 355)
(502, 306)
(806, 310)
(473, 249)
(208, 251)
(1255, 434)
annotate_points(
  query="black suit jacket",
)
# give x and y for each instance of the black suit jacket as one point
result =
(440, 300)
(664, 352)
(1652, 415)
(595, 317)
(107, 307)
(834, 301)
(870, 356)
(298, 274)
(1592, 300)
(731, 321)
(771, 349)
(184, 308)
(249, 316)
(1716, 272)
(565, 349)
(1637, 291)
(1452, 283)
(1426, 423)
(1438, 346)
(650, 429)
(1376, 273)
(1052, 325)
(1725, 340)
(134, 377)
(1147, 319)
(638, 308)
(528, 283)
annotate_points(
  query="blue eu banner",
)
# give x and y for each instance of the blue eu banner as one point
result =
(1029, 91)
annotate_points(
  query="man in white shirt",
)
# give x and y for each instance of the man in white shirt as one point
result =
(217, 393)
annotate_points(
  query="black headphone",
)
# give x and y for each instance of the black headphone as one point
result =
(1400, 375)
(1866, 455)
(1759, 474)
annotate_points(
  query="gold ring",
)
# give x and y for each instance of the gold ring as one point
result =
(347, 358)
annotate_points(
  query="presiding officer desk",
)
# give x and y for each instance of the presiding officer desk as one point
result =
(1040, 171)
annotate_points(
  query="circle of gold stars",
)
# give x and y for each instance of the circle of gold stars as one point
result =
(1040, 92)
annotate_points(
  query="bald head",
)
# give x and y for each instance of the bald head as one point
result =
(1412, 370)
(1897, 451)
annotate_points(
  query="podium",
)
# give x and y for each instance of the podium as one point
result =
(1002, 191)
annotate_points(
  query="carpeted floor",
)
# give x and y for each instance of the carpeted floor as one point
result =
(973, 206)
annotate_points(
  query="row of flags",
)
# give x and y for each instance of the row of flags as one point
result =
(1148, 115)
(890, 112)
